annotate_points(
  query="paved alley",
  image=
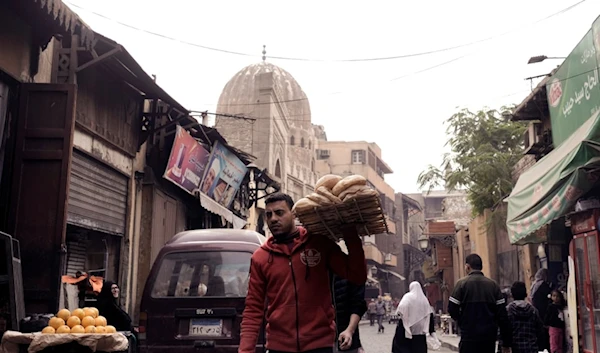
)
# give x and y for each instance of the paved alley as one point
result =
(374, 342)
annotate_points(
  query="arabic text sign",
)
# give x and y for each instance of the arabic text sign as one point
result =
(223, 176)
(573, 92)
(187, 161)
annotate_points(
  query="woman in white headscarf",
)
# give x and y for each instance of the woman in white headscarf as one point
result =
(416, 321)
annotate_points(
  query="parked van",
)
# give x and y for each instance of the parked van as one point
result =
(195, 293)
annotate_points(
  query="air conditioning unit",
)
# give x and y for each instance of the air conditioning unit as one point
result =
(323, 154)
(388, 257)
(532, 135)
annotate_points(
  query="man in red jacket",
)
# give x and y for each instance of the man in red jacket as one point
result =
(289, 274)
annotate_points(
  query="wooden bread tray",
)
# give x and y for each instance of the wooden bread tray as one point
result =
(364, 210)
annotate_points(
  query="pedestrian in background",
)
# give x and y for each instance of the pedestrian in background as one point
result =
(380, 314)
(540, 292)
(350, 306)
(525, 322)
(415, 321)
(479, 308)
(372, 312)
(555, 321)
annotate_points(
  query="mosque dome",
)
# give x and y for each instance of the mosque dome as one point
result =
(241, 94)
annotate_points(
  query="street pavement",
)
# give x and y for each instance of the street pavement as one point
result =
(374, 342)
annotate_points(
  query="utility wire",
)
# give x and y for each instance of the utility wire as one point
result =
(247, 117)
(395, 57)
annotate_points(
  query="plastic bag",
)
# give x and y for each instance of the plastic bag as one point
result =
(433, 342)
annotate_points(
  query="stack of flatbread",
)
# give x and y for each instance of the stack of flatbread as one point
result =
(338, 201)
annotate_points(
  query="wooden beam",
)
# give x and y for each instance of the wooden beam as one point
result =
(99, 59)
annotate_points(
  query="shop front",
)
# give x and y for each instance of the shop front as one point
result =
(557, 201)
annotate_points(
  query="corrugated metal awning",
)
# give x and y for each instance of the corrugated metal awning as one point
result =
(214, 207)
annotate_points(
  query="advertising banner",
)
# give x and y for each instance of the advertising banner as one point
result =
(573, 92)
(223, 176)
(187, 161)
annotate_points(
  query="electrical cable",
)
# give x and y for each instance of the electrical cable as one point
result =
(395, 57)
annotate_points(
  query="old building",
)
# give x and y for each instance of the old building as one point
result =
(264, 112)
(384, 252)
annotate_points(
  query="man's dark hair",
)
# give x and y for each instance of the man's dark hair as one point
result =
(475, 262)
(518, 291)
(279, 196)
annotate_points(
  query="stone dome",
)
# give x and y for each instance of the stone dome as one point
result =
(241, 94)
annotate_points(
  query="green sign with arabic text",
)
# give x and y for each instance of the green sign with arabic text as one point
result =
(573, 92)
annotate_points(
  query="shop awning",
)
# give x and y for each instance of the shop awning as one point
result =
(395, 274)
(551, 187)
(214, 207)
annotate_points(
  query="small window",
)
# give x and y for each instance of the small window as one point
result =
(278, 169)
(203, 274)
(358, 157)
(292, 140)
(309, 145)
(302, 142)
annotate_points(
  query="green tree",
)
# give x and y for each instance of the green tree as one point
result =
(485, 145)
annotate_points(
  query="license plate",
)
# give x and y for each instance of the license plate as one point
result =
(206, 327)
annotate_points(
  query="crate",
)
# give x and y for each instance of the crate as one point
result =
(365, 211)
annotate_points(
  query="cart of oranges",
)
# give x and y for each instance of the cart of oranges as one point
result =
(79, 321)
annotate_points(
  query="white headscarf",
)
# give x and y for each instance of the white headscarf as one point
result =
(414, 310)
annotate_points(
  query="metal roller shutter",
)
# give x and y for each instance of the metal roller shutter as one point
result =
(97, 196)
(76, 255)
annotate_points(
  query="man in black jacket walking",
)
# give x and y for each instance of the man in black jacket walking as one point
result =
(350, 306)
(479, 307)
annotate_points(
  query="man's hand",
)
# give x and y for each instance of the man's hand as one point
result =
(506, 350)
(345, 340)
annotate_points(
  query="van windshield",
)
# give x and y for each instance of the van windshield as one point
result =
(203, 274)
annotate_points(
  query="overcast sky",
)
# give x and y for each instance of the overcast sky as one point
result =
(400, 104)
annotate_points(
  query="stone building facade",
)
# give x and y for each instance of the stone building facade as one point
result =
(263, 111)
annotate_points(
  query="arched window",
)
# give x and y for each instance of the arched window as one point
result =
(312, 165)
(302, 142)
(292, 140)
(278, 169)
(309, 145)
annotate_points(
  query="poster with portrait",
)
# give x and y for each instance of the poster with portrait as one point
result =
(223, 176)
(187, 161)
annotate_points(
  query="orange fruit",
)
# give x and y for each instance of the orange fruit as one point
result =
(79, 313)
(56, 322)
(77, 329)
(63, 329)
(73, 321)
(89, 312)
(64, 314)
(90, 329)
(96, 312)
(48, 329)
(88, 321)
(100, 321)
(101, 329)
(111, 329)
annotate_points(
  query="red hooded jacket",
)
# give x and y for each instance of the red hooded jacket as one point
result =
(296, 285)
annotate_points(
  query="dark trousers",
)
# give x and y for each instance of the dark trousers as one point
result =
(477, 347)
(372, 318)
(380, 322)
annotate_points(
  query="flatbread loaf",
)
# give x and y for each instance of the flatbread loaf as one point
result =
(328, 181)
(363, 192)
(320, 199)
(304, 204)
(348, 182)
(323, 191)
(352, 190)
